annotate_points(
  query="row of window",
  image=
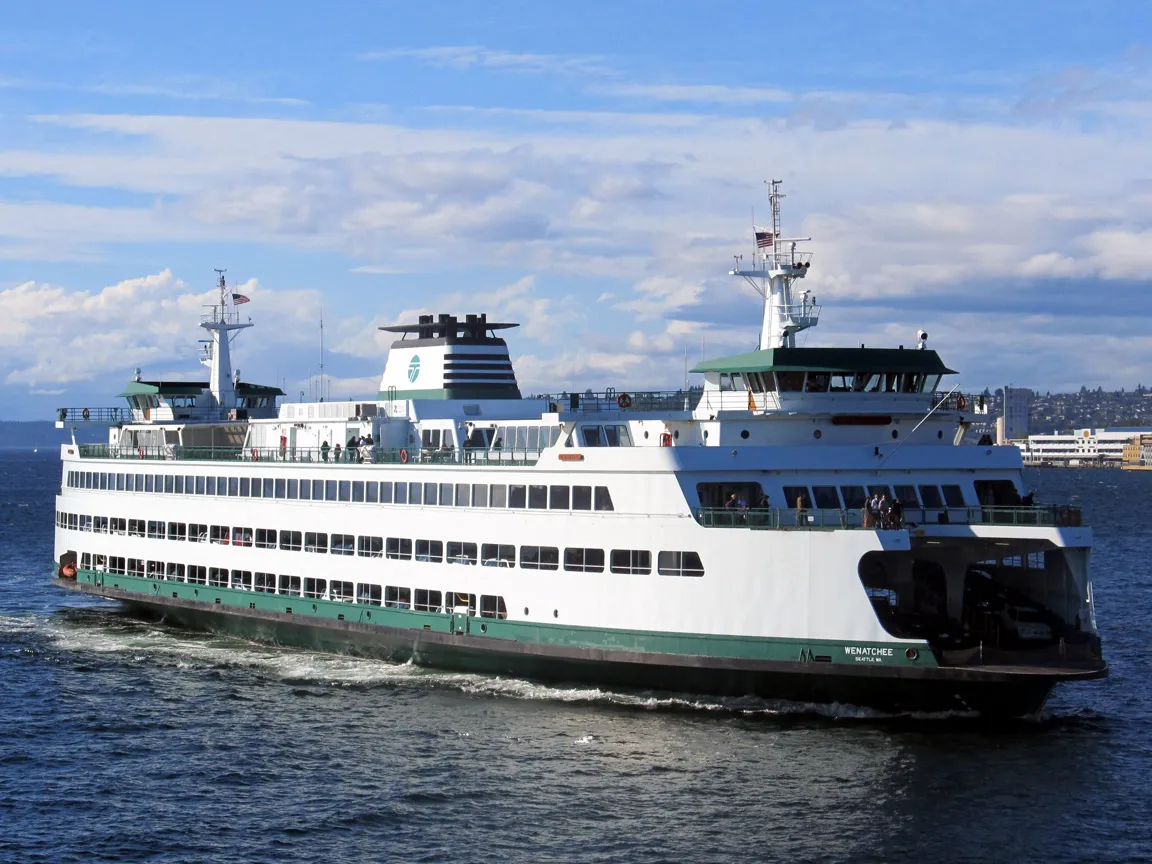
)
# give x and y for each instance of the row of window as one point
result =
(392, 596)
(488, 495)
(574, 559)
(855, 497)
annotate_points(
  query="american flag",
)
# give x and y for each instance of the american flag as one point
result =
(237, 299)
(763, 239)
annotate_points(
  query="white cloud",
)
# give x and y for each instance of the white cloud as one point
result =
(716, 93)
(464, 57)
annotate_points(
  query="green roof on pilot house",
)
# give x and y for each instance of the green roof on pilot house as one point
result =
(892, 360)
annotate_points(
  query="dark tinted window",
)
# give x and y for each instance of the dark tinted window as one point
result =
(581, 497)
(953, 497)
(930, 496)
(854, 496)
(825, 497)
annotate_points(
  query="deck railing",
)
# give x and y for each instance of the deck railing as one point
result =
(93, 415)
(1063, 516)
(315, 455)
(631, 400)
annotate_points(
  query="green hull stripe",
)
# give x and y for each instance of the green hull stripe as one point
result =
(648, 642)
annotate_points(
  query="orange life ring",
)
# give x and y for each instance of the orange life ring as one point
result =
(961, 403)
(255, 455)
(140, 452)
(85, 414)
(404, 457)
(624, 400)
(68, 571)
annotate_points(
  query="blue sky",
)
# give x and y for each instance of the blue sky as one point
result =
(977, 169)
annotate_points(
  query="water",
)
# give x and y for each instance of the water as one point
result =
(123, 740)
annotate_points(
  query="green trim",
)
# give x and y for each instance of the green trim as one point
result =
(164, 388)
(888, 360)
(482, 391)
(850, 653)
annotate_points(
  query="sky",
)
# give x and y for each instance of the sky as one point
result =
(977, 169)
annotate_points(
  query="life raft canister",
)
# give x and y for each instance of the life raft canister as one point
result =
(624, 400)
(404, 457)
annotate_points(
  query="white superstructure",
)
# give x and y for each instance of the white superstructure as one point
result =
(1079, 447)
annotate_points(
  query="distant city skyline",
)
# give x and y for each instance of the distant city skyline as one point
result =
(978, 170)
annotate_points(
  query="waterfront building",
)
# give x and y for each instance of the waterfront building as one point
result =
(1081, 447)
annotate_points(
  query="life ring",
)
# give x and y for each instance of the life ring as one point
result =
(624, 400)
(85, 414)
(403, 457)
(255, 455)
(140, 452)
(68, 571)
(961, 403)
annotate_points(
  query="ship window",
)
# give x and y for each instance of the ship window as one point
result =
(315, 588)
(461, 553)
(269, 487)
(135, 527)
(584, 560)
(345, 490)
(492, 607)
(953, 497)
(218, 577)
(539, 558)
(242, 579)
(430, 438)
(119, 482)
(233, 486)
(825, 497)
(461, 494)
(854, 497)
(100, 525)
(386, 492)
(313, 542)
(174, 572)
(907, 496)
(725, 381)
(498, 555)
(341, 591)
(399, 548)
(317, 490)
(499, 495)
(431, 551)
(86, 525)
(197, 532)
(431, 491)
(168, 484)
(817, 382)
(617, 436)
(199, 484)
(290, 585)
(581, 497)
(244, 484)
(930, 497)
(533, 438)
(265, 582)
(398, 597)
(517, 497)
(197, 574)
(265, 538)
(399, 493)
(479, 494)
(219, 534)
(221, 485)
(343, 544)
(148, 483)
(558, 497)
(156, 530)
(603, 499)
(370, 547)
(116, 564)
(368, 593)
(371, 491)
(428, 601)
(461, 602)
(210, 488)
(790, 382)
(841, 382)
(103, 480)
(329, 490)
(679, 564)
(155, 570)
(538, 497)
(880, 490)
(254, 489)
(290, 541)
(590, 436)
(446, 494)
(415, 493)
(631, 561)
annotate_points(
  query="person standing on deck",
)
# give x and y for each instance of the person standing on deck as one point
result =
(324, 448)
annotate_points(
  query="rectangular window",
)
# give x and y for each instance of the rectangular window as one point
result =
(538, 497)
(539, 558)
(499, 496)
(241, 536)
(517, 497)
(428, 601)
(218, 577)
(460, 602)
(603, 499)
(100, 525)
(209, 490)
(316, 589)
(155, 570)
(558, 497)
(255, 488)
(399, 548)
(330, 490)
(219, 534)
(245, 486)
(104, 480)
(318, 490)
(492, 607)
(368, 593)
(156, 530)
(116, 565)
(825, 497)
(498, 555)
(880, 490)
(358, 491)
(345, 592)
(415, 494)
(398, 598)
(242, 579)
(854, 497)
(168, 484)
(431, 494)
(679, 564)
(447, 494)
(461, 553)
(479, 494)
(462, 493)
(581, 497)
(797, 497)
(386, 491)
(265, 538)
(264, 582)
(953, 497)
(197, 574)
(371, 492)
(135, 527)
(290, 585)
(174, 572)
(291, 541)
(268, 487)
(179, 484)
(119, 482)
(148, 483)
(930, 496)
(233, 487)
(584, 560)
(631, 561)
(177, 531)
(907, 496)
(197, 532)
(431, 551)
(344, 490)
(343, 544)
(281, 487)
(221, 485)
(370, 547)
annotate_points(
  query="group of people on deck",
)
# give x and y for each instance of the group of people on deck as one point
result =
(879, 512)
(359, 449)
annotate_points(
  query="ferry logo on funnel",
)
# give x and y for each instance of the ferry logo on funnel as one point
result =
(414, 368)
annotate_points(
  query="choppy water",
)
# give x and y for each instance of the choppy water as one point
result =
(129, 741)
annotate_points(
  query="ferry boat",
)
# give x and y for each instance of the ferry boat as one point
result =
(727, 539)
